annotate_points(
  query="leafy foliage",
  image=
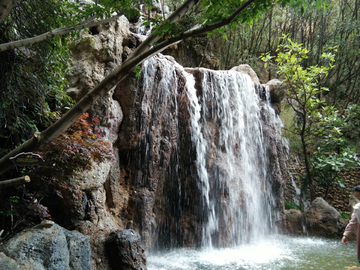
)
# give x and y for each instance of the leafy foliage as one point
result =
(32, 79)
(325, 150)
(73, 151)
(291, 205)
(333, 154)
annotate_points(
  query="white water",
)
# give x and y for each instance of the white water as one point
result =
(229, 101)
(277, 252)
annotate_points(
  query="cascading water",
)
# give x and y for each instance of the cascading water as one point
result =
(238, 151)
(202, 159)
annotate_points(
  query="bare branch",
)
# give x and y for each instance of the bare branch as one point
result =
(15, 181)
(52, 33)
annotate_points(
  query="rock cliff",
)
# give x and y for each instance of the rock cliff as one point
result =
(166, 183)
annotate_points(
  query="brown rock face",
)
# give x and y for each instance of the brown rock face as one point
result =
(277, 90)
(156, 157)
(246, 69)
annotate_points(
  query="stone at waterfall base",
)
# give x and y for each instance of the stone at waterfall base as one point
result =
(319, 219)
(353, 268)
(125, 251)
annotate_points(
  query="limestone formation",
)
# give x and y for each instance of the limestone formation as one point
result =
(95, 55)
(7, 263)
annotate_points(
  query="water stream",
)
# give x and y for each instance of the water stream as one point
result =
(277, 252)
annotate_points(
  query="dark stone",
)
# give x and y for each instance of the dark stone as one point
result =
(323, 220)
(125, 251)
(277, 90)
(49, 248)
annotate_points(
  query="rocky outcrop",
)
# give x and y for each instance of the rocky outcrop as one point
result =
(277, 90)
(126, 253)
(277, 93)
(47, 248)
(196, 52)
(96, 54)
(323, 220)
(154, 185)
(318, 219)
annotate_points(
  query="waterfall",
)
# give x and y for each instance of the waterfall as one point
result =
(230, 105)
(200, 156)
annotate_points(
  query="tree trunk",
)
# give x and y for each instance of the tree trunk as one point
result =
(308, 178)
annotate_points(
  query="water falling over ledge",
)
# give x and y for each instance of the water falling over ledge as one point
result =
(203, 153)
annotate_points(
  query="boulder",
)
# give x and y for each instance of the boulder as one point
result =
(247, 70)
(323, 220)
(277, 90)
(125, 251)
(47, 248)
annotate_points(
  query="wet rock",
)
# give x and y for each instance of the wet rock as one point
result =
(323, 220)
(49, 248)
(125, 251)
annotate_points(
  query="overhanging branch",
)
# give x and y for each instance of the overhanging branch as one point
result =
(51, 34)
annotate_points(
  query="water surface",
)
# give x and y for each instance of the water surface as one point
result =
(275, 253)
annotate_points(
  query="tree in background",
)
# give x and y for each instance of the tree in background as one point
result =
(325, 152)
(32, 78)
